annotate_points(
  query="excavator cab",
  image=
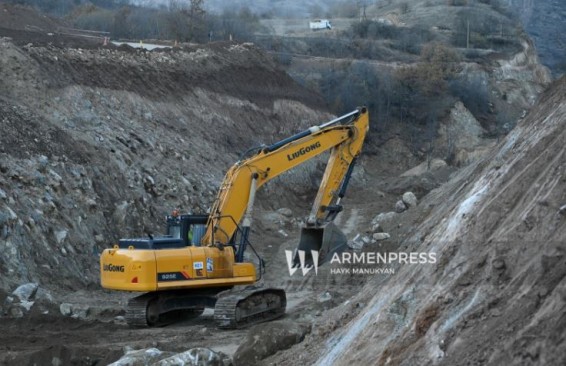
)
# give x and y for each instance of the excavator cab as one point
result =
(189, 228)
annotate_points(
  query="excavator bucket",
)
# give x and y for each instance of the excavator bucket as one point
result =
(327, 240)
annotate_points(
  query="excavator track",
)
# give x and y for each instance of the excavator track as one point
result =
(148, 311)
(248, 307)
(136, 311)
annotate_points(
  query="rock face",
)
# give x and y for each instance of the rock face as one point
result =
(266, 339)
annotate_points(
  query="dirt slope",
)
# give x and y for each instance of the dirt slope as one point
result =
(497, 292)
(98, 144)
(24, 18)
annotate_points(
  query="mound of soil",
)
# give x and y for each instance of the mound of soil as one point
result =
(19, 17)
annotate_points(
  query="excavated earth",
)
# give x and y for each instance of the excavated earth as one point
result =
(99, 143)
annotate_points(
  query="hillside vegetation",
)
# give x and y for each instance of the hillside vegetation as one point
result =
(412, 63)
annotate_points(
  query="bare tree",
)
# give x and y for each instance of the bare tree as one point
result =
(187, 19)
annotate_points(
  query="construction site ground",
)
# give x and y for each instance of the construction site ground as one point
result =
(99, 142)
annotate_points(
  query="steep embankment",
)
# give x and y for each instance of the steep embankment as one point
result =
(497, 293)
(98, 144)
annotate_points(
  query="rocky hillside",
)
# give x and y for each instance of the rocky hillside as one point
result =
(545, 21)
(101, 143)
(423, 76)
(496, 295)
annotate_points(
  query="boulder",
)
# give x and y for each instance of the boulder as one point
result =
(266, 339)
(424, 167)
(66, 309)
(77, 311)
(376, 228)
(285, 212)
(26, 292)
(356, 243)
(409, 199)
(120, 319)
(380, 236)
(142, 357)
(383, 217)
(15, 311)
(61, 235)
(21, 300)
(81, 311)
(400, 206)
(324, 297)
(197, 357)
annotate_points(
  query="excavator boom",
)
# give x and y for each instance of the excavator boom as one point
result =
(343, 137)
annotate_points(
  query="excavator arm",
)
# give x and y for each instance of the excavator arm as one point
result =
(344, 138)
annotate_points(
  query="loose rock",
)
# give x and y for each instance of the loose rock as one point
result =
(264, 340)
(26, 292)
(410, 199)
(400, 206)
(380, 236)
(197, 357)
(66, 309)
(324, 297)
(141, 357)
(383, 218)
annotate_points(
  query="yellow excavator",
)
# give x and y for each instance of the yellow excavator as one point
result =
(200, 260)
